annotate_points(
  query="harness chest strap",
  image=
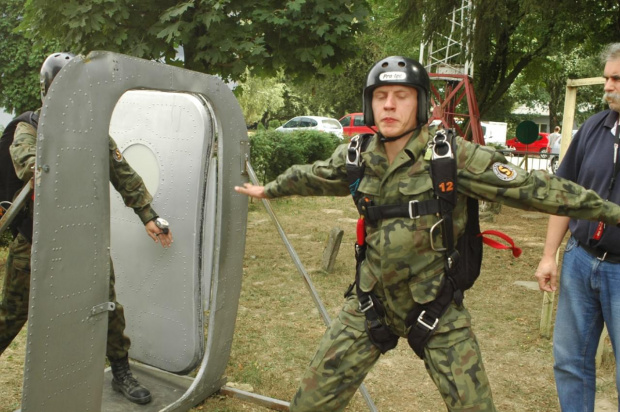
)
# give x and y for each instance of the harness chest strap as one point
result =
(414, 209)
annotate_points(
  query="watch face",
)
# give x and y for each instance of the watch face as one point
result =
(161, 223)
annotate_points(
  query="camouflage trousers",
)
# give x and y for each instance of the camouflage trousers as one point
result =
(14, 303)
(346, 355)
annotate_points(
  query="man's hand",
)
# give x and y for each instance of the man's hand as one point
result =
(253, 191)
(157, 235)
(547, 274)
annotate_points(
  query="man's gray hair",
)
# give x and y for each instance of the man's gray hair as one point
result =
(611, 52)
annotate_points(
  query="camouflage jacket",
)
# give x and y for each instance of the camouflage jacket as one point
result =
(400, 267)
(122, 176)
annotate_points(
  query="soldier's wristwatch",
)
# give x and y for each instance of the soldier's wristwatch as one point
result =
(163, 225)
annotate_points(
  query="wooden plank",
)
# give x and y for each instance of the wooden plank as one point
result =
(546, 315)
(590, 81)
(331, 249)
(570, 102)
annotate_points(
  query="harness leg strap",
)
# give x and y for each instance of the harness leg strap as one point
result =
(422, 321)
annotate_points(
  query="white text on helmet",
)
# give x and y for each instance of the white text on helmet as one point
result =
(391, 76)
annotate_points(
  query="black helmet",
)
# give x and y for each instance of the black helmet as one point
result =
(51, 67)
(397, 70)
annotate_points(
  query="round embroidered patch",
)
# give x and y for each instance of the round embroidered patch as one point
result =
(504, 172)
(118, 156)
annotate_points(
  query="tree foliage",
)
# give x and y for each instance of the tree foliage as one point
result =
(20, 61)
(259, 96)
(342, 92)
(216, 36)
(335, 93)
(545, 84)
(271, 152)
(512, 35)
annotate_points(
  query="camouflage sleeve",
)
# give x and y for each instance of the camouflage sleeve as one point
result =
(322, 178)
(23, 150)
(130, 185)
(487, 175)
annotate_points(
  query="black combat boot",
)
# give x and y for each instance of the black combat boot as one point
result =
(124, 382)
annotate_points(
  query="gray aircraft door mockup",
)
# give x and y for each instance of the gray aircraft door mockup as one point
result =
(168, 139)
(180, 303)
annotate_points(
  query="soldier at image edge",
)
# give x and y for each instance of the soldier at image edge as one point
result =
(401, 270)
(14, 304)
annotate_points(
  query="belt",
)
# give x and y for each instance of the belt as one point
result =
(600, 254)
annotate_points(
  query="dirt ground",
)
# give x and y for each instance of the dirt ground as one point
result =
(278, 325)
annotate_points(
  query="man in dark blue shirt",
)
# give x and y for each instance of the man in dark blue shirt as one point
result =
(590, 280)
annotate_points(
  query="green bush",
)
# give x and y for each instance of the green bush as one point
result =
(6, 238)
(274, 124)
(271, 152)
(260, 127)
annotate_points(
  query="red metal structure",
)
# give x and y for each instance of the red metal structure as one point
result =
(454, 91)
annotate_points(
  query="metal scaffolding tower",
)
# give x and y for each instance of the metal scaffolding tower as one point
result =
(448, 60)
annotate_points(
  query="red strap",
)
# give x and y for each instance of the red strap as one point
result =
(516, 252)
(361, 231)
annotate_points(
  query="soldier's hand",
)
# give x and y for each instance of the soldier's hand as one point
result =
(547, 274)
(157, 235)
(253, 191)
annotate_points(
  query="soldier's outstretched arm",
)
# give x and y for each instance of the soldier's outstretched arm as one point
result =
(251, 190)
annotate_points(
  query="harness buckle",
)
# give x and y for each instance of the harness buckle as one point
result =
(364, 307)
(354, 151)
(441, 142)
(413, 209)
(426, 325)
(431, 232)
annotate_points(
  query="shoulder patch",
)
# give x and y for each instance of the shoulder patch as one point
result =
(504, 171)
(118, 156)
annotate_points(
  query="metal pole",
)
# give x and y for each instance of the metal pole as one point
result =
(18, 204)
(304, 274)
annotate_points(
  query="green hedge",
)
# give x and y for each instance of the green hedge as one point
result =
(274, 124)
(6, 238)
(271, 152)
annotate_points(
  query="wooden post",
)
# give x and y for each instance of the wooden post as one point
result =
(601, 348)
(546, 314)
(331, 249)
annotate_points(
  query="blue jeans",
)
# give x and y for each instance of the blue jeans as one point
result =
(589, 298)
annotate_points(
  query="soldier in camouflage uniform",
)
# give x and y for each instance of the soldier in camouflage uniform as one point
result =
(14, 304)
(401, 269)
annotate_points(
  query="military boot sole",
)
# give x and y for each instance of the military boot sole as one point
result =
(140, 401)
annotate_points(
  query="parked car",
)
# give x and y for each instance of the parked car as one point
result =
(353, 124)
(538, 146)
(323, 124)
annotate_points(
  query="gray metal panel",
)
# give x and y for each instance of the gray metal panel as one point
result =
(70, 260)
(167, 138)
(93, 85)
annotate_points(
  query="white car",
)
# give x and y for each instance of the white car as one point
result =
(323, 124)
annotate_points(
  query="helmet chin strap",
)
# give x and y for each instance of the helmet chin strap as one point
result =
(391, 139)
